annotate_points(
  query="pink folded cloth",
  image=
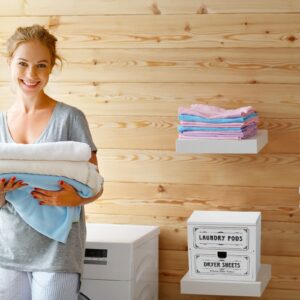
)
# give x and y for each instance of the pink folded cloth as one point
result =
(215, 136)
(239, 125)
(213, 112)
(209, 138)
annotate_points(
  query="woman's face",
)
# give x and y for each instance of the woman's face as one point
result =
(30, 67)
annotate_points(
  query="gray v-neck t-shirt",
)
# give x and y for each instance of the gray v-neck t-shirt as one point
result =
(23, 248)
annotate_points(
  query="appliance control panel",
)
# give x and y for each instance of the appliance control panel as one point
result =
(95, 256)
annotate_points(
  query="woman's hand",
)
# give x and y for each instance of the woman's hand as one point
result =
(9, 185)
(66, 196)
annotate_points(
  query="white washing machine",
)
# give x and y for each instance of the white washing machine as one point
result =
(121, 262)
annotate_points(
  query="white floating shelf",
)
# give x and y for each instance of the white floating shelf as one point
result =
(227, 288)
(246, 146)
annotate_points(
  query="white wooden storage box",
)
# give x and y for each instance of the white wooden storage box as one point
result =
(224, 245)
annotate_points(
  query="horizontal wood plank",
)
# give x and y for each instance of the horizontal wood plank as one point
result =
(177, 65)
(180, 200)
(261, 170)
(145, 7)
(165, 31)
(278, 238)
(285, 270)
(172, 291)
(160, 133)
(163, 99)
(169, 291)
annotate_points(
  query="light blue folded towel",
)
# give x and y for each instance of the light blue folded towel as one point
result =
(221, 120)
(182, 128)
(54, 222)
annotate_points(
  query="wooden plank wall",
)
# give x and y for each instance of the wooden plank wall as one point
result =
(130, 64)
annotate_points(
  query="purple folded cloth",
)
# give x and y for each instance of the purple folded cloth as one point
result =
(183, 137)
(217, 137)
(213, 112)
(217, 129)
(227, 135)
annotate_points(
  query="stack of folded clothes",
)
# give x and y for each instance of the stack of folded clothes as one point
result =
(200, 121)
(43, 166)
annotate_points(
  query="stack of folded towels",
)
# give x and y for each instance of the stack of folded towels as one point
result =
(43, 166)
(200, 121)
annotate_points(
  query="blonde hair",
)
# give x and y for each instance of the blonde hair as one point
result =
(32, 33)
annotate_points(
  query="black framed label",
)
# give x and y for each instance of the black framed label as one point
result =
(207, 237)
(209, 264)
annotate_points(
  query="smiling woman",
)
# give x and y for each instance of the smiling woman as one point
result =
(29, 77)
(31, 70)
(31, 57)
(30, 260)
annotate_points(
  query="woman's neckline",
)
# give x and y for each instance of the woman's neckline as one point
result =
(42, 133)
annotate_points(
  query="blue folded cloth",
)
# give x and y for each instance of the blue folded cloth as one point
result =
(54, 222)
(194, 118)
(182, 128)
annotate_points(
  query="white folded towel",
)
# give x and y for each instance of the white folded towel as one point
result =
(66, 158)
(66, 150)
(82, 171)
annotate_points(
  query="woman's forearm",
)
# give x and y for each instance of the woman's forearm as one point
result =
(2, 199)
(91, 199)
(84, 201)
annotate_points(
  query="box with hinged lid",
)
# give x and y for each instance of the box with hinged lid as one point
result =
(224, 245)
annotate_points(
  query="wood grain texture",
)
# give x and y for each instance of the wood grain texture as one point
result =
(143, 99)
(144, 7)
(159, 133)
(278, 238)
(285, 270)
(262, 170)
(172, 291)
(280, 101)
(178, 65)
(130, 64)
(180, 200)
(166, 31)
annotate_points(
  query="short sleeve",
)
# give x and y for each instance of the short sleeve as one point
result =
(79, 129)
